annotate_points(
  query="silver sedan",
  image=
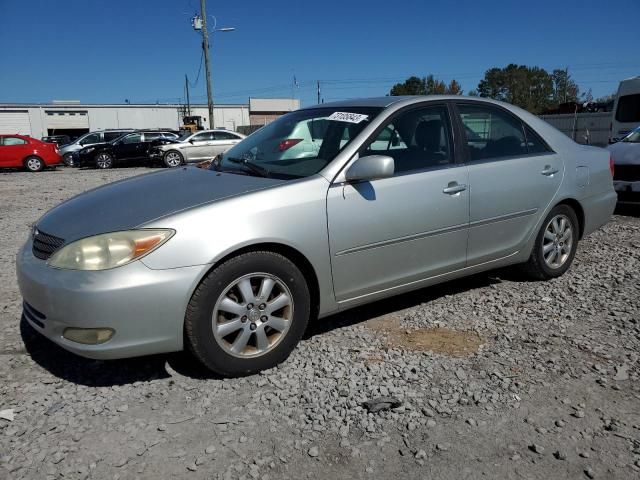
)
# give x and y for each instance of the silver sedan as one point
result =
(233, 262)
(195, 147)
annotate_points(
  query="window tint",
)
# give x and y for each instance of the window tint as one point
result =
(628, 108)
(202, 137)
(225, 136)
(110, 136)
(148, 137)
(491, 133)
(416, 140)
(534, 142)
(90, 139)
(133, 138)
(13, 141)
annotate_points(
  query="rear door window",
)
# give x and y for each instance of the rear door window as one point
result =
(110, 136)
(491, 133)
(132, 138)
(150, 136)
(9, 141)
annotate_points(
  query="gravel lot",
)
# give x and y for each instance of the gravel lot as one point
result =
(491, 377)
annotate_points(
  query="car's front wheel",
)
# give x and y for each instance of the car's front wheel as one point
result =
(67, 159)
(34, 164)
(173, 158)
(248, 314)
(104, 160)
(555, 245)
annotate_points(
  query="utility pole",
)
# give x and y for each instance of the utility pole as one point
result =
(186, 85)
(318, 92)
(566, 83)
(205, 46)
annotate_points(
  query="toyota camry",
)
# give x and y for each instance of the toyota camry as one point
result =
(232, 262)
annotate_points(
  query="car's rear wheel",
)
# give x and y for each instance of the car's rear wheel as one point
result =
(555, 245)
(104, 160)
(67, 159)
(173, 158)
(34, 164)
(248, 314)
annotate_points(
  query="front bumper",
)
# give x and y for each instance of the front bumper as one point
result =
(145, 307)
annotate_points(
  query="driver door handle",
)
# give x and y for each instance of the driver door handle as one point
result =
(453, 188)
(549, 171)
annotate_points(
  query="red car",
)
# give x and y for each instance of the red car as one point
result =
(19, 151)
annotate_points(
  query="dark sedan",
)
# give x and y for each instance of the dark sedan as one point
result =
(129, 147)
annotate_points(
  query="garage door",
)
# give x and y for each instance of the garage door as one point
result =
(64, 119)
(15, 121)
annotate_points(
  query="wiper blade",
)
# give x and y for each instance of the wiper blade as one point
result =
(253, 167)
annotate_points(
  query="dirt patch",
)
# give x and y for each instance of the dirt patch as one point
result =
(455, 343)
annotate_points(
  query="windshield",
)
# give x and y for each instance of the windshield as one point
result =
(298, 144)
(633, 137)
(183, 137)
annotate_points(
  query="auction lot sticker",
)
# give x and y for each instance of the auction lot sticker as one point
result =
(348, 117)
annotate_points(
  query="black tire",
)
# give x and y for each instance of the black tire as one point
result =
(104, 160)
(536, 267)
(198, 318)
(171, 154)
(33, 164)
(67, 160)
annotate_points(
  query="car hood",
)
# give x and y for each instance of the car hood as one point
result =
(625, 153)
(135, 201)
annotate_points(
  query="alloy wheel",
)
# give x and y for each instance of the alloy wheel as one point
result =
(104, 160)
(173, 159)
(557, 241)
(252, 315)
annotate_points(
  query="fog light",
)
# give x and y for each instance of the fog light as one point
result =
(88, 336)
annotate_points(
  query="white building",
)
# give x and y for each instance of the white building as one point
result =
(74, 118)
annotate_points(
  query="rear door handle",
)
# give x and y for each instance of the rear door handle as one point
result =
(549, 171)
(454, 188)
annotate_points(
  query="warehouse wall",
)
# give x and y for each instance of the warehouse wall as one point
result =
(133, 117)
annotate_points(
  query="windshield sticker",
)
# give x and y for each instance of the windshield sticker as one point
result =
(348, 117)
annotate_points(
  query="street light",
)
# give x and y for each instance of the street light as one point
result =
(205, 46)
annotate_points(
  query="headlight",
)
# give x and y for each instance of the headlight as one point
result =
(109, 250)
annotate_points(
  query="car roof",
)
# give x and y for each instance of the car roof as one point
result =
(387, 101)
(24, 137)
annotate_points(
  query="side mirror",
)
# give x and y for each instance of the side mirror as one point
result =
(191, 141)
(371, 167)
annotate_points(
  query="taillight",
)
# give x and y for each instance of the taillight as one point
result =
(288, 143)
(612, 166)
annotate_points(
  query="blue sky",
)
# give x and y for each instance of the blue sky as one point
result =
(111, 50)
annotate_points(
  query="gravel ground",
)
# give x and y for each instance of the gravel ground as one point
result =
(490, 377)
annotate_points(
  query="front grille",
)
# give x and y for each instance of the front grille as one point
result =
(34, 315)
(45, 245)
(627, 173)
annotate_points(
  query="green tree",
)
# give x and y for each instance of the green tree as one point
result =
(531, 88)
(411, 86)
(454, 88)
(434, 86)
(564, 88)
(428, 85)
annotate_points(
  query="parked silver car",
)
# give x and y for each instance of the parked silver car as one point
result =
(91, 138)
(195, 147)
(626, 158)
(236, 260)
